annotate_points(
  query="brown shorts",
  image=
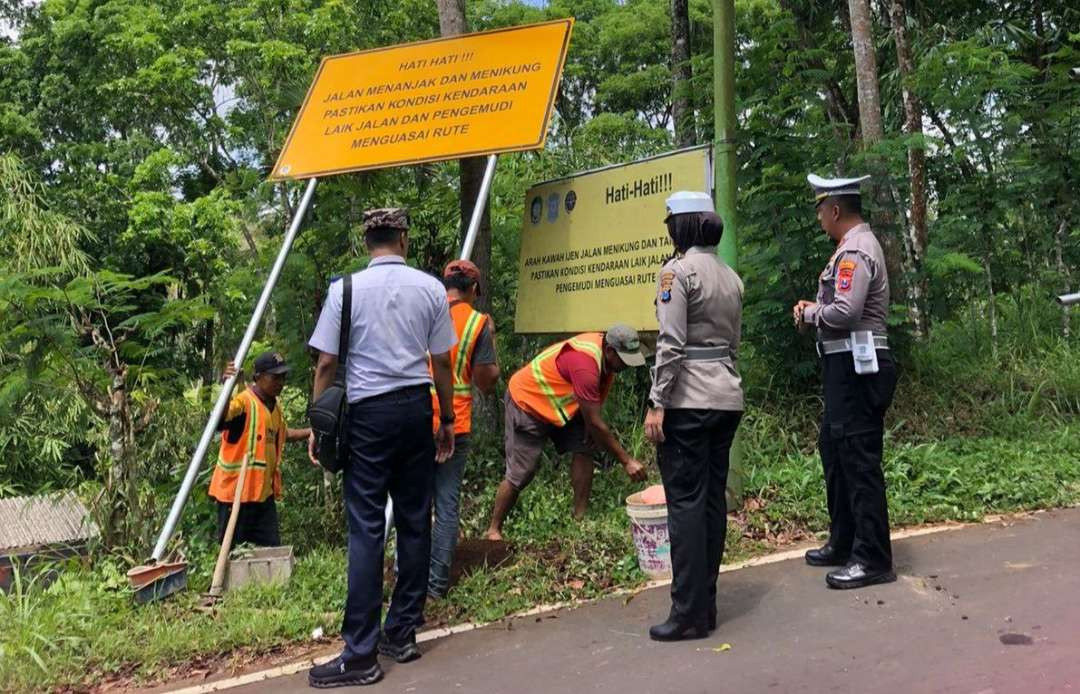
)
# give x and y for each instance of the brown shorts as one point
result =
(525, 438)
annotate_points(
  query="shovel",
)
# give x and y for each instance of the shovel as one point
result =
(158, 580)
(217, 584)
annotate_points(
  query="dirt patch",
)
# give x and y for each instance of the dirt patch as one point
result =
(1016, 639)
(755, 526)
(205, 669)
(471, 555)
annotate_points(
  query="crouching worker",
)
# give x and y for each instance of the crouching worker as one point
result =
(560, 396)
(253, 425)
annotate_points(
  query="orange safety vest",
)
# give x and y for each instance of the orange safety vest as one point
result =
(263, 427)
(469, 325)
(539, 388)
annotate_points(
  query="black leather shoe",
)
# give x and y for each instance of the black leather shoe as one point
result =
(401, 652)
(673, 630)
(856, 575)
(345, 673)
(826, 556)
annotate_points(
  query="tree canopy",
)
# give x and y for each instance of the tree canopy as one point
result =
(138, 224)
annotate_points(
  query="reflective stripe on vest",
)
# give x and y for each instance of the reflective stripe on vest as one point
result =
(252, 437)
(253, 442)
(469, 325)
(465, 346)
(540, 389)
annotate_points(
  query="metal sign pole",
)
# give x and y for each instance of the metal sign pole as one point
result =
(226, 390)
(478, 209)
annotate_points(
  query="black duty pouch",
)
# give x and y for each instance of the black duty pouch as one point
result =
(329, 413)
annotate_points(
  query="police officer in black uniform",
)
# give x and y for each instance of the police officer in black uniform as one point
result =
(695, 406)
(858, 378)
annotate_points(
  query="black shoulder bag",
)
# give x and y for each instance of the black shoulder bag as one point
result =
(329, 412)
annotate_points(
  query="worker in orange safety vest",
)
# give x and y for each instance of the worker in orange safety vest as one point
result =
(253, 425)
(474, 365)
(559, 396)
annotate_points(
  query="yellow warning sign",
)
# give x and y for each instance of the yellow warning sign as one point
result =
(463, 96)
(592, 244)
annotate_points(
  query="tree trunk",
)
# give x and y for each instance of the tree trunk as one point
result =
(451, 17)
(471, 171)
(866, 75)
(871, 130)
(1064, 272)
(991, 304)
(682, 110)
(916, 164)
(121, 493)
(898, 261)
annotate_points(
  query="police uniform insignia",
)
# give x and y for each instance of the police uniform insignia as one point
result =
(844, 275)
(666, 279)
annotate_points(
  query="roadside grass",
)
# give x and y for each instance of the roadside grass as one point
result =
(83, 627)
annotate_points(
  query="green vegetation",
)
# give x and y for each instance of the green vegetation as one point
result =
(136, 227)
(1017, 451)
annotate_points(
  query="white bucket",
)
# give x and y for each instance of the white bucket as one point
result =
(649, 527)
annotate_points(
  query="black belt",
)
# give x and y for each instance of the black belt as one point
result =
(403, 393)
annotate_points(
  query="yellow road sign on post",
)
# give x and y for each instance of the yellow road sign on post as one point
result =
(592, 244)
(449, 98)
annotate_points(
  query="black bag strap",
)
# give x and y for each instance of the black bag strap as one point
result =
(346, 326)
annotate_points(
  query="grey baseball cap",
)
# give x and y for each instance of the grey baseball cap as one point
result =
(624, 340)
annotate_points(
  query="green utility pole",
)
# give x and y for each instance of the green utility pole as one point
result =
(724, 175)
(724, 124)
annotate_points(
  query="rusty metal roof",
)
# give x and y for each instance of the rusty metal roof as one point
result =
(32, 522)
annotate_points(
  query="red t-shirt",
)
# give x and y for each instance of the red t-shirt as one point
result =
(582, 372)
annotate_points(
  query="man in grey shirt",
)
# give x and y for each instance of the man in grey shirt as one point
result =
(399, 316)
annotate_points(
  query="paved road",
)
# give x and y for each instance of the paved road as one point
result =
(941, 628)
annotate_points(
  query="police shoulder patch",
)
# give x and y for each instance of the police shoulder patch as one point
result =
(667, 278)
(845, 274)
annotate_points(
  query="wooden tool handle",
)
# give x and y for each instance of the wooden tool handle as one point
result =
(217, 584)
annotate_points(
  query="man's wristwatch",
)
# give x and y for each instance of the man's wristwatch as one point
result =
(447, 418)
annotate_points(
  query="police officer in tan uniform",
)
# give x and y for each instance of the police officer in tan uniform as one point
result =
(858, 378)
(695, 406)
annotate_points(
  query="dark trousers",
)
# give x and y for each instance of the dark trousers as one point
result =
(256, 523)
(694, 466)
(850, 441)
(391, 450)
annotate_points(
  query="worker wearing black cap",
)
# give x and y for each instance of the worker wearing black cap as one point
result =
(858, 378)
(254, 426)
